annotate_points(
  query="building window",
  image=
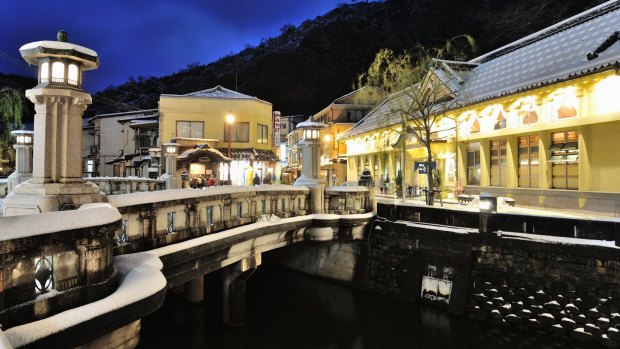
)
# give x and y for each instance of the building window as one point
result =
(473, 163)
(170, 221)
(43, 274)
(190, 129)
(499, 163)
(564, 152)
(355, 115)
(565, 104)
(262, 134)
(527, 112)
(240, 132)
(528, 161)
(496, 115)
(474, 124)
(209, 215)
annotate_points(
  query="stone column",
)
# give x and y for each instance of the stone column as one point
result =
(235, 277)
(195, 290)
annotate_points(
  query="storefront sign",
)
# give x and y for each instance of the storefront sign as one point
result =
(422, 166)
(276, 128)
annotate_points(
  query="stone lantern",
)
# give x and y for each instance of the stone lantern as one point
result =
(310, 144)
(23, 158)
(59, 101)
(172, 179)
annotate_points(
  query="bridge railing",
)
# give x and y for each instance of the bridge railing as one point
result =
(347, 200)
(126, 185)
(54, 261)
(151, 220)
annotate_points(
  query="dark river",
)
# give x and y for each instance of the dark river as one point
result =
(290, 310)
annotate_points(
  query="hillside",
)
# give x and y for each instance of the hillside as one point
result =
(306, 67)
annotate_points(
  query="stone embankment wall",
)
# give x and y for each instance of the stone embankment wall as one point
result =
(561, 286)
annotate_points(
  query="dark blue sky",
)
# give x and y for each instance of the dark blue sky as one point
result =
(147, 37)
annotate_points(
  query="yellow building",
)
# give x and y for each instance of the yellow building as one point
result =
(538, 120)
(339, 116)
(199, 118)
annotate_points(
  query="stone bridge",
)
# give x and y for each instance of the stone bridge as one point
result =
(56, 261)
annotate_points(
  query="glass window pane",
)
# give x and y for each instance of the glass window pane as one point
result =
(45, 66)
(58, 72)
(183, 129)
(72, 74)
(196, 129)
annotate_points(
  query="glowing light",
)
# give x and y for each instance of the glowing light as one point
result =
(606, 94)
(45, 72)
(328, 138)
(230, 119)
(58, 72)
(73, 74)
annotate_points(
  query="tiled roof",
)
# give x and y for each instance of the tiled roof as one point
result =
(551, 55)
(219, 92)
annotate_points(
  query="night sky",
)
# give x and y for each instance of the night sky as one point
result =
(147, 37)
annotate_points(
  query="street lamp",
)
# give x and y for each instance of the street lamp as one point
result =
(230, 119)
(171, 178)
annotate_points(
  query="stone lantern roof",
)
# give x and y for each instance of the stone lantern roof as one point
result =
(34, 51)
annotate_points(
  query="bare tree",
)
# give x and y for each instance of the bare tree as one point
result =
(423, 85)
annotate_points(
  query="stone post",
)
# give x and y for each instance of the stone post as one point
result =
(195, 290)
(311, 165)
(23, 159)
(59, 101)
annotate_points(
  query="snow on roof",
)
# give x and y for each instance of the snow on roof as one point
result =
(16, 227)
(311, 124)
(551, 55)
(140, 277)
(141, 198)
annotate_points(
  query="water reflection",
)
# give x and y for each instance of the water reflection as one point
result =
(289, 310)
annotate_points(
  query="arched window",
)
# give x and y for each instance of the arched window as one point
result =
(474, 124)
(73, 74)
(58, 72)
(494, 117)
(527, 111)
(565, 104)
(45, 72)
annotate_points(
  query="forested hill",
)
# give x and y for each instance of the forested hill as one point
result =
(306, 67)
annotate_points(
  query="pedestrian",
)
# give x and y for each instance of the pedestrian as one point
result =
(256, 180)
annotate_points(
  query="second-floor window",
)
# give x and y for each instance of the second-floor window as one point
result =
(240, 132)
(354, 115)
(262, 134)
(473, 163)
(190, 129)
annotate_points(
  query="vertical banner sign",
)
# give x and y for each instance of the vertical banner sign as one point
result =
(276, 128)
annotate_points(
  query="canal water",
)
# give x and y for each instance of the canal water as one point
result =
(290, 310)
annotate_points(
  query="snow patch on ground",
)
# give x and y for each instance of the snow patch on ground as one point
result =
(88, 215)
(140, 277)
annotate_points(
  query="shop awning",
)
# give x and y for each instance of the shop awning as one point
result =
(202, 151)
